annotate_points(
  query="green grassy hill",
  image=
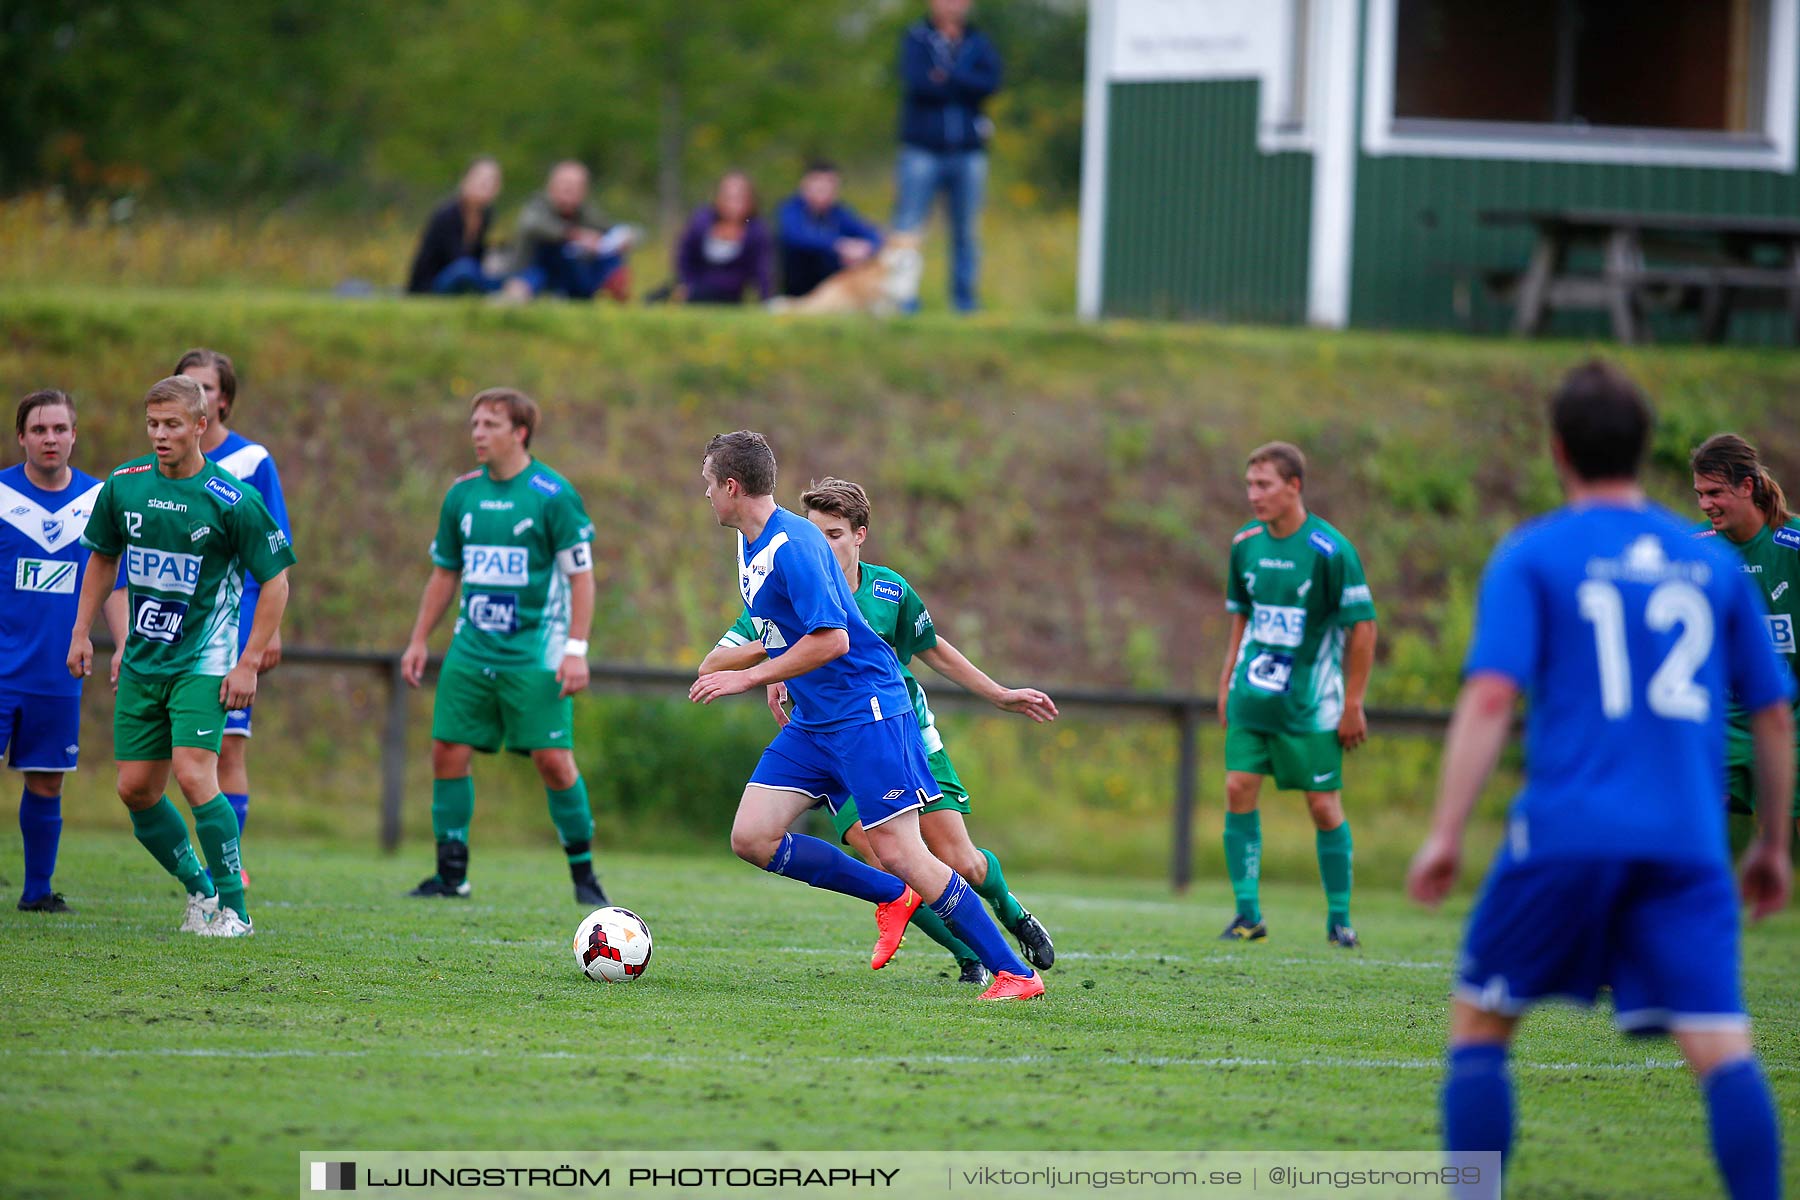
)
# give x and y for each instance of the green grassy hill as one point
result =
(1063, 495)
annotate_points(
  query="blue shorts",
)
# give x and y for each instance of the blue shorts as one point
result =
(237, 722)
(1662, 935)
(881, 763)
(40, 733)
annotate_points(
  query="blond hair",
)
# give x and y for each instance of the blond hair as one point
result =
(178, 389)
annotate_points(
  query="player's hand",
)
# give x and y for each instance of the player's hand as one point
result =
(412, 663)
(1766, 878)
(1434, 870)
(573, 674)
(1353, 728)
(778, 696)
(271, 657)
(708, 688)
(81, 656)
(238, 689)
(1222, 722)
(1028, 701)
(118, 659)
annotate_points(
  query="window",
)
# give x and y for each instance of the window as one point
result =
(1599, 80)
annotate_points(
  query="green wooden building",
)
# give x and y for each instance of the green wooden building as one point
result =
(1326, 161)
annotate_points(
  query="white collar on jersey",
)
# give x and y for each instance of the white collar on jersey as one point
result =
(243, 461)
(52, 530)
(753, 574)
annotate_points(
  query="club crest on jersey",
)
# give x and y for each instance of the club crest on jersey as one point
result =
(45, 575)
(198, 532)
(496, 566)
(223, 490)
(53, 529)
(158, 620)
(494, 614)
(1787, 537)
(546, 485)
(1324, 545)
(888, 590)
(162, 571)
(522, 526)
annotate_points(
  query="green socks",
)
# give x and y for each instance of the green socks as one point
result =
(1243, 860)
(452, 808)
(1334, 871)
(216, 825)
(574, 819)
(993, 889)
(935, 929)
(164, 834)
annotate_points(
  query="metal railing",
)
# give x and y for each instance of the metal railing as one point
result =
(1189, 713)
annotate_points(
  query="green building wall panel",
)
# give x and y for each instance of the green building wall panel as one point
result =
(1199, 222)
(1419, 236)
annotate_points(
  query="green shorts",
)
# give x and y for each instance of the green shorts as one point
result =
(1740, 777)
(954, 799)
(1300, 762)
(521, 709)
(152, 714)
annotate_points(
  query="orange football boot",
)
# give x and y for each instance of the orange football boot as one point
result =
(1007, 986)
(890, 926)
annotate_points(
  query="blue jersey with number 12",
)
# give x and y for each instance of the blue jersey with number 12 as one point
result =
(1628, 637)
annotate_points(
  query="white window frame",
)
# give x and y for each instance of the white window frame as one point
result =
(1772, 150)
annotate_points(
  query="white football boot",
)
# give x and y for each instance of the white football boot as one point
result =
(226, 923)
(200, 911)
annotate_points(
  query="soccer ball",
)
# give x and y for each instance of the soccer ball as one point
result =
(612, 945)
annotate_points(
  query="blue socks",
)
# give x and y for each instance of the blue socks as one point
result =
(1746, 1140)
(1478, 1101)
(820, 864)
(40, 824)
(962, 910)
(240, 804)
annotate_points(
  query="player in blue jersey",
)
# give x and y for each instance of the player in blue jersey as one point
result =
(251, 462)
(1628, 636)
(44, 507)
(852, 732)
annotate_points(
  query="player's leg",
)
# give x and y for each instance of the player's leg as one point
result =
(39, 736)
(465, 718)
(1678, 969)
(234, 766)
(196, 730)
(759, 836)
(1478, 1094)
(945, 829)
(850, 831)
(536, 718)
(142, 749)
(1247, 761)
(1313, 763)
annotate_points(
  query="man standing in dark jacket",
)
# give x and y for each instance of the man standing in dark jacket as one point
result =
(948, 69)
(455, 238)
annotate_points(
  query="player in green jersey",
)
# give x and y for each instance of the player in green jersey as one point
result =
(1291, 689)
(1746, 507)
(186, 531)
(513, 550)
(894, 610)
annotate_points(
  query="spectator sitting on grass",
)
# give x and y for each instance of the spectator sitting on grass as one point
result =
(565, 246)
(455, 239)
(725, 248)
(819, 234)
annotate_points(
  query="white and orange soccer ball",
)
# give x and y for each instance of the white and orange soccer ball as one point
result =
(612, 945)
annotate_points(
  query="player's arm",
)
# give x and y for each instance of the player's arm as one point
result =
(96, 582)
(440, 592)
(238, 690)
(1478, 732)
(732, 658)
(573, 673)
(1239, 623)
(955, 666)
(812, 651)
(1767, 876)
(118, 619)
(1359, 660)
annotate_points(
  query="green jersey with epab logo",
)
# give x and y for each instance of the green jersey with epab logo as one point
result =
(183, 547)
(1772, 560)
(1299, 596)
(514, 542)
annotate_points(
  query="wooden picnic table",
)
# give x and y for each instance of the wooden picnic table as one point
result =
(1687, 261)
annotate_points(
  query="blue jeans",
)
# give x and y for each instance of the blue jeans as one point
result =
(962, 176)
(562, 269)
(464, 275)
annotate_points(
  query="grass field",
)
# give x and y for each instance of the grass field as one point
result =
(140, 1063)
